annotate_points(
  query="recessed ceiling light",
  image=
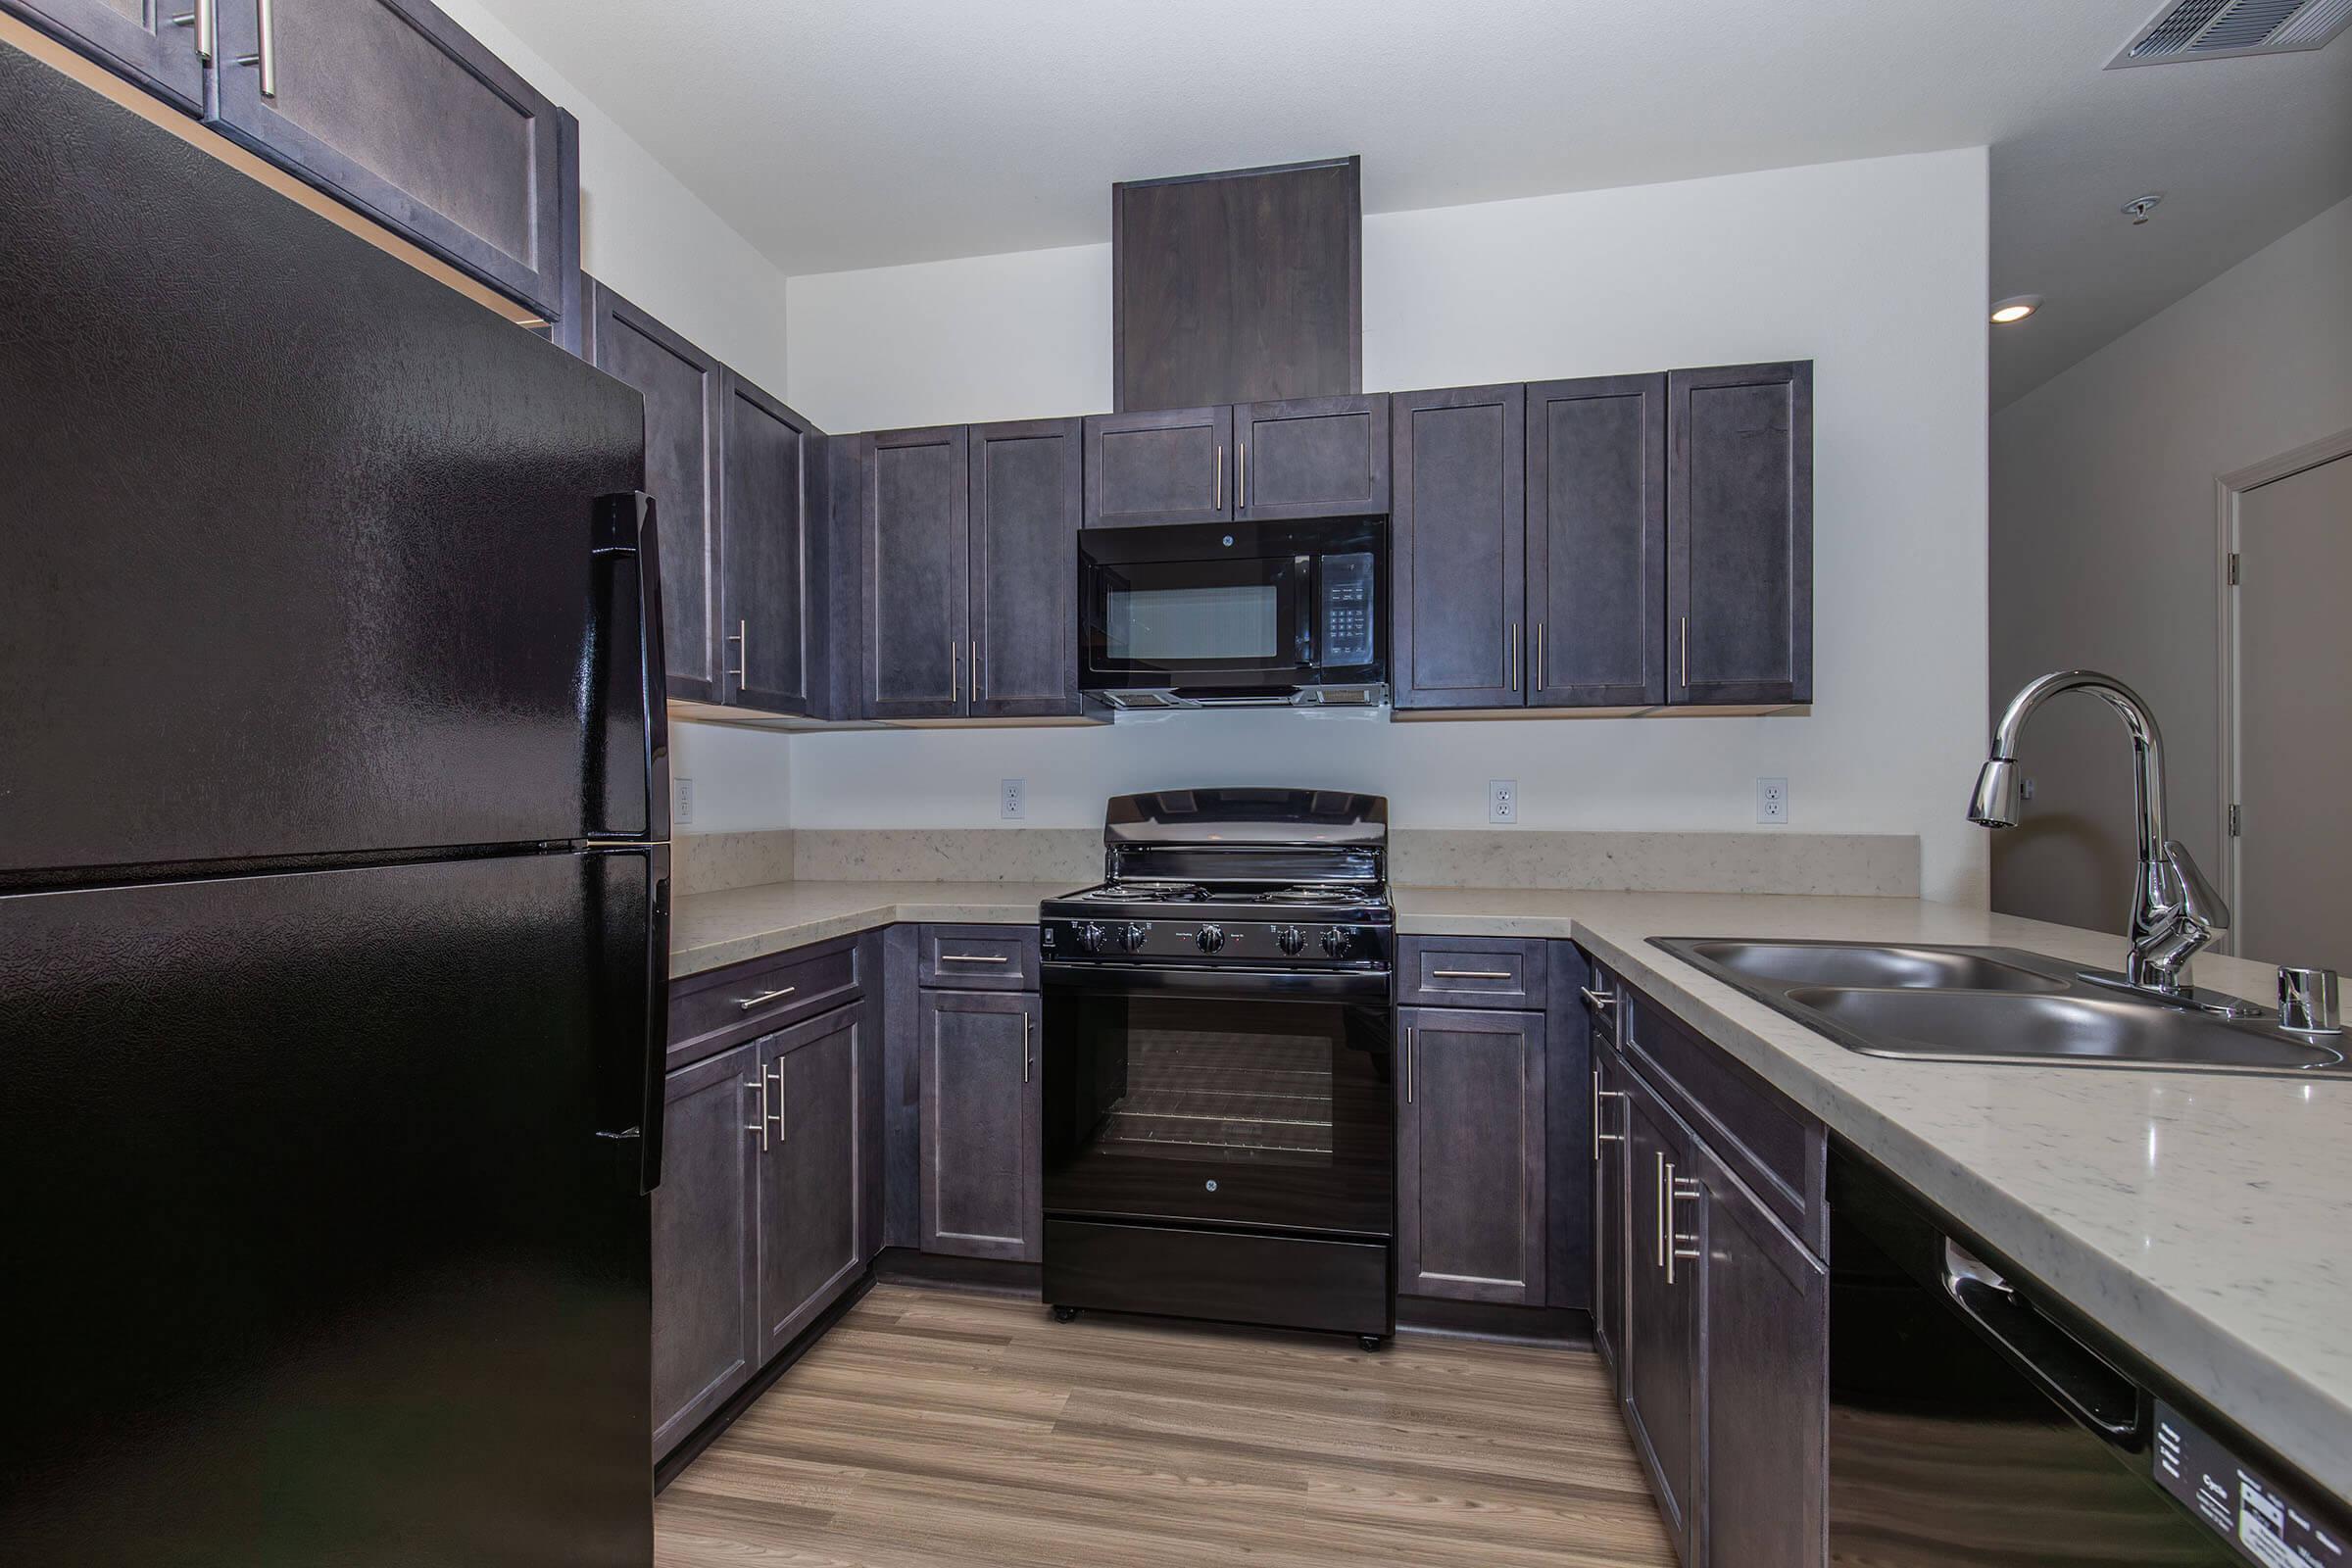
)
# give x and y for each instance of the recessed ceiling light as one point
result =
(2016, 308)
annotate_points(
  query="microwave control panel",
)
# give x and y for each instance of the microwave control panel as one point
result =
(1348, 605)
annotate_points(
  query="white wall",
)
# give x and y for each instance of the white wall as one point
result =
(742, 777)
(2104, 551)
(1874, 269)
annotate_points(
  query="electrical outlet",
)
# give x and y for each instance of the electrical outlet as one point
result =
(1502, 800)
(681, 813)
(1772, 801)
(1013, 798)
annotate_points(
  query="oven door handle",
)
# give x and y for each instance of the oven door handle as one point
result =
(1226, 982)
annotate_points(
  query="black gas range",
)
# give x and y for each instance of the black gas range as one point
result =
(1218, 1064)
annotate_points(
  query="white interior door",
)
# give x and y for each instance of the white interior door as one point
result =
(2294, 707)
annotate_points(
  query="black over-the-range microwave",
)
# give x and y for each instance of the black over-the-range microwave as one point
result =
(1234, 613)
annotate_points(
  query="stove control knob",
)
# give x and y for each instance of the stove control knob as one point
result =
(1291, 939)
(1211, 938)
(1336, 943)
(1132, 934)
(1090, 937)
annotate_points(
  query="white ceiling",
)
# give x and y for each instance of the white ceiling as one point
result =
(865, 132)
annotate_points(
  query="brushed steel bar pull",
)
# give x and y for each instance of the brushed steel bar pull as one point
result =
(742, 639)
(1412, 1063)
(265, 13)
(747, 1003)
(1686, 656)
(973, 958)
(955, 676)
(1240, 480)
(779, 1110)
(1217, 504)
(973, 669)
(1024, 1047)
(205, 20)
(1542, 657)
(1514, 655)
(1598, 1095)
(760, 1126)
(1470, 974)
(1602, 1001)
(1660, 1191)
(1678, 1189)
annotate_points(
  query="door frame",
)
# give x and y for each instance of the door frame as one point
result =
(2230, 489)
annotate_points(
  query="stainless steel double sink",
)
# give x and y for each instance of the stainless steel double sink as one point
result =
(1992, 1004)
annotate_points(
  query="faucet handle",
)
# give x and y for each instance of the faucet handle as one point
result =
(2197, 899)
(2307, 1001)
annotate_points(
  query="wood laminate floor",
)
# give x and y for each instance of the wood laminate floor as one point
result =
(932, 1427)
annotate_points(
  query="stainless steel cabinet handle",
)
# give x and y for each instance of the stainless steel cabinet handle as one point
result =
(1413, 1062)
(747, 1003)
(1470, 974)
(1660, 1193)
(1240, 480)
(205, 20)
(972, 668)
(760, 1126)
(1024, 1047)
(1686, 656)
(266, 22)
(1679, 1188)
(954, 676)
(742, 639)
(1218, 503)
(1542, 657)
(779, 1102)
(1514, 655)
(972, 958)
(1598, 1095)
(1600, 1001)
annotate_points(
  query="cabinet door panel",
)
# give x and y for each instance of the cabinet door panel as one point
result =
(1470, 1166)
(1167, 465)
(917, 497)
(1766, 1371)
(1596, 542)
(766, 623)
(809, 1196)
(1458, 547)
(134, 39)
(1311, 458)
(1027, 493)
(680, 385)
(703, 1334)
(1658, 1366)
(397, 110)
(1740, 534)
(979, 1089)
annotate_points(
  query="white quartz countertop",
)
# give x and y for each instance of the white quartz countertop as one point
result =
(2204, 1219)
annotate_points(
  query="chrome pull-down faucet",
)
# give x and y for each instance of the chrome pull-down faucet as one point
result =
(2175, 911)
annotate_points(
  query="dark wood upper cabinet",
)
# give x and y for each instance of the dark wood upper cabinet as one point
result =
(1026, 497)
(1239, 286)
(137, 39)
(1471, 1192)
(1458, 547)
(1658, 1356)
(771, 625)
(1163, 465)
(704, 1244)
(1311, 458)
(1740, 534)
(1766, 1369)
(981, 1122)
(916, 503)
(1596, 542)
(809, 1181)
(681, 388)
(391, 107)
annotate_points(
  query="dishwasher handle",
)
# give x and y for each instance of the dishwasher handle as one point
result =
(2061, 1365)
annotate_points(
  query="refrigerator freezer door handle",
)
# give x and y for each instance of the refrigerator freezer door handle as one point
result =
(637, 1056)
(632, 679)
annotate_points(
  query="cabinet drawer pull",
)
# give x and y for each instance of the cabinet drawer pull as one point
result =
(760, 1126)
(1472, 974)
(1598, 1095)
(973, 958)
(778, 1111)
(1604, 1003)
(747, 1003)
(1676, 1245)
(742, 639)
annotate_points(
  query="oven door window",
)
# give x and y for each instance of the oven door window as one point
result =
(1235, 614)
(1258, 1113)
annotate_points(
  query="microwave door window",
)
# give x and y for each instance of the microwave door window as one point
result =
(1186, 627)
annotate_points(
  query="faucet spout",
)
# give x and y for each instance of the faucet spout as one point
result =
(2175, 911)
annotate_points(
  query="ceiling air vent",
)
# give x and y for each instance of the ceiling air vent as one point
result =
(2222, 30)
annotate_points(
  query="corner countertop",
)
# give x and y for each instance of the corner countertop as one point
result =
(2204, 1219)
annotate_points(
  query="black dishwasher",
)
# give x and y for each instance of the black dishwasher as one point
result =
(1971, 1429)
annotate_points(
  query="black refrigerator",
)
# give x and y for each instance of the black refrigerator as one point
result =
(333, 888)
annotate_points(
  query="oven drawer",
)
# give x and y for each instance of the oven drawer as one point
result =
(712, 1011)
(1470, 971)
(1232, 1276)
(978, 958)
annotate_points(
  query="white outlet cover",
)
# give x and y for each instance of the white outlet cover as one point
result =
(684, 813)
(1502, 800)
(1772, 801)
(1013, 798)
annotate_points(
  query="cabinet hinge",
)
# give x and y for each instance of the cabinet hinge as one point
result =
(2233, 559)
(2233, 831)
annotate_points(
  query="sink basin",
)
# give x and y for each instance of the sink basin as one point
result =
(1856, 965)
(1954, 1003)
(2005, 1026)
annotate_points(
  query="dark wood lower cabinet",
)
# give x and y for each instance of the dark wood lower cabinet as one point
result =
(1658, 1359)
(703, 1242)
(1612, 1193)
(1470, 1158)
(982, 1117)
(809, 1186)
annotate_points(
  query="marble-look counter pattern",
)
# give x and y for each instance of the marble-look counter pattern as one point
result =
(2204, 1219)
